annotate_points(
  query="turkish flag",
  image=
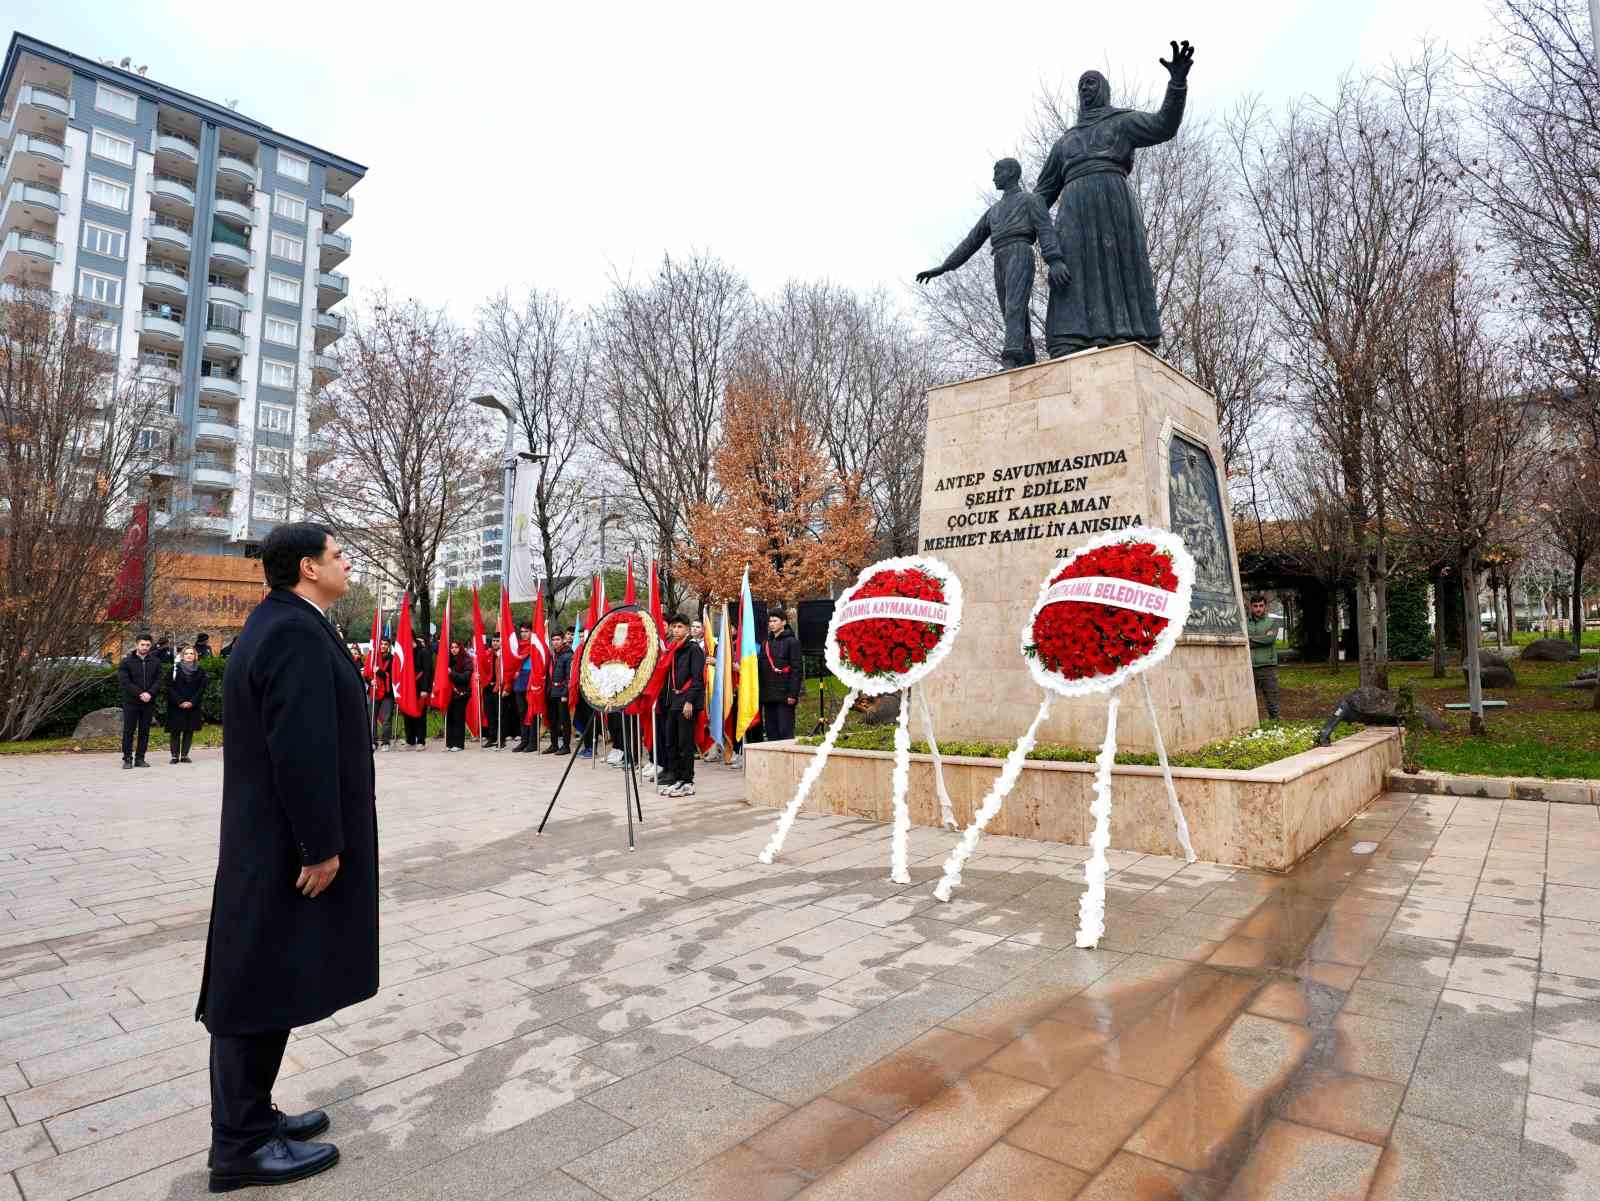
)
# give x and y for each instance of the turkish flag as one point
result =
(480, 667)
(127, 593)
(439, 698)
(371, 669)
(539, 648)
(627, 595)
(511, 654)
(405, 685)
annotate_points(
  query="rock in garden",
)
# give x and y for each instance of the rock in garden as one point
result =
(1494, 672)
(102, 723)
(880, 710)
(1379, 707)
(1549, 650)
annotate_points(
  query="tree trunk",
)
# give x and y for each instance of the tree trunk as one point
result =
(1366, 645)
(1438, 629)
(424, 596)
(1494, 598)
(1380, 614)
(1333, 629)
(1469, 649)
(1577, 603)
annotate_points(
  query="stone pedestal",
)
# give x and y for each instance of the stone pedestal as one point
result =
(1025, 465)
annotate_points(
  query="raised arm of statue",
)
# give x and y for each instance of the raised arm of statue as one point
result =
(1149, 129)
(970, 245)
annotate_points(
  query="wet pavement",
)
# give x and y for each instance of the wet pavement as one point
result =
(563, 1020)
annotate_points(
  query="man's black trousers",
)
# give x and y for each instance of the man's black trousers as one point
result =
(244, 1067)
(777, 722)
(136, 717)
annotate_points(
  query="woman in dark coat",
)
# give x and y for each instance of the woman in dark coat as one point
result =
(417, 727)
(455, 719)
(1112, 298)
(186, 686)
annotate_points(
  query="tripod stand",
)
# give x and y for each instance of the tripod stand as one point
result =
(630, 783)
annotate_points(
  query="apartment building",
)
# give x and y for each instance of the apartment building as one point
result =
(210, 245)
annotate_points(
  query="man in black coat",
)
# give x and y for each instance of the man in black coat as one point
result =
(294, 914)
(783, 671)
(683, 696)
(139, 675)
(558, 715)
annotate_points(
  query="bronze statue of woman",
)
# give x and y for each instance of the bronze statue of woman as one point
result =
(1111, 298)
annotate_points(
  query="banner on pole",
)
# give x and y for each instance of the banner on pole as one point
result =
(522, 581)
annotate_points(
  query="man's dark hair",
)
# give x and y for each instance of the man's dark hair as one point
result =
(144, 636)
(286, 545)
(1257, 599)
(677, 619)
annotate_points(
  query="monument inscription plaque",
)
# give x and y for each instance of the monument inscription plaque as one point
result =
(1024, 466)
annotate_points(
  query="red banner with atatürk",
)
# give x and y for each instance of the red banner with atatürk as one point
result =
(127, 593)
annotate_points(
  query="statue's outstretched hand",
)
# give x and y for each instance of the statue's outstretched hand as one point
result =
(933, 273)
(1060, 277)
(1182, 60)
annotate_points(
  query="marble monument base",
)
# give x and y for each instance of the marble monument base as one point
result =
(1023, 466)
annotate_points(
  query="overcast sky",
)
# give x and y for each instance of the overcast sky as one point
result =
(553, 144)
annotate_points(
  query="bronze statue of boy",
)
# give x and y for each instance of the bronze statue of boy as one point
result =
(1012, 225)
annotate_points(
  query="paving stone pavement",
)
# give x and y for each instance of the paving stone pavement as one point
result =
(561, 1020)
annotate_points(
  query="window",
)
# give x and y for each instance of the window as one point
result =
(287, 204)
(292, 166)
(277, 419)
(150, 440)
(118, 104)
(112, 243)
(283, 287)
(276, 374)
(109, 145)
(285, 247)
(272, 460)
(108, 192)
(225, 316)
(285, 333)
(101, 335)
(103, 289)
(273, 506)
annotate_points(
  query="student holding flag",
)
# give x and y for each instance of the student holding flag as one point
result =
(749, 706)
(482, 665)
(682, 698)
(409, 676)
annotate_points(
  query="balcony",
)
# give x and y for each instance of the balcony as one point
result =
(223, 339)
(162, 326)
(29, 149)
(29, 254)
(215, 429)
(175, 146)
(168, 232)
(335, 248)
(336, 210)
(210, 523)
(226, 254)
(220, 290)
(158, 368)
(220, 386)
(329, 329)
(235, 211)
(212, 474)
(30, 200)
(172, 194)
(238, 168)
(331, 288)
(324, 368)
(165, 278)
(43, 100)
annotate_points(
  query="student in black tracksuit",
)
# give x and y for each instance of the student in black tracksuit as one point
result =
(558, 715)
(683, 696)
(455, 717)
(783, 672)
(139, 674)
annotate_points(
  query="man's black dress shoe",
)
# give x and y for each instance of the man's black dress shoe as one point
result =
(298, 1126)
(277, 1161)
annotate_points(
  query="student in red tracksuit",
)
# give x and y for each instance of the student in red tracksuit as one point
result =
(683, 695)
(383, 697)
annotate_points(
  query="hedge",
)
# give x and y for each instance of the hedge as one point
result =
(106, 693)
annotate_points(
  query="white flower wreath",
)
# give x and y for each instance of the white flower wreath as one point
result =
(882, 685)
(1182, 567)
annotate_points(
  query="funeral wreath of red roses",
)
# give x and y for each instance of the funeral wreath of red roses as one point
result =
(1115, 607)
(618, 659)
(894, 624)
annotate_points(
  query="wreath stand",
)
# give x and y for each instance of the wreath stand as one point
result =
(630, 785)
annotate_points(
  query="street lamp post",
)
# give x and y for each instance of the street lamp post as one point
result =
(508, 466)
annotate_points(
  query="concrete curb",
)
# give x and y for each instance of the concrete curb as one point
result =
(1521, 788)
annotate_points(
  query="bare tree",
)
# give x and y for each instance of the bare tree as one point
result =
(80, 449)
(535, 354)
(1317, 533)
(1464, 443)
(1345, 195)
(402, 461)
(665, 351)
(1572, 520)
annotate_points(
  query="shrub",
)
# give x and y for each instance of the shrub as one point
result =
(1409, 635)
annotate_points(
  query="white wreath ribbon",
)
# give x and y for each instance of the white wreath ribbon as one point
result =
(947, 811)
(1092, 908)
(899, 866)
(990, 805)
(813, 770)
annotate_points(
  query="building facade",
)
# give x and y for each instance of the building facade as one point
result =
(206, 244)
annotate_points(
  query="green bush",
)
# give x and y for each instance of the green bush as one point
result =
(1253, 748)
(1409, 635)
(105, 693)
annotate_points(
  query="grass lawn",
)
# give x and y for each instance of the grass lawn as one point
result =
(1546, 730)
(1591, 638)
(209, 737)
